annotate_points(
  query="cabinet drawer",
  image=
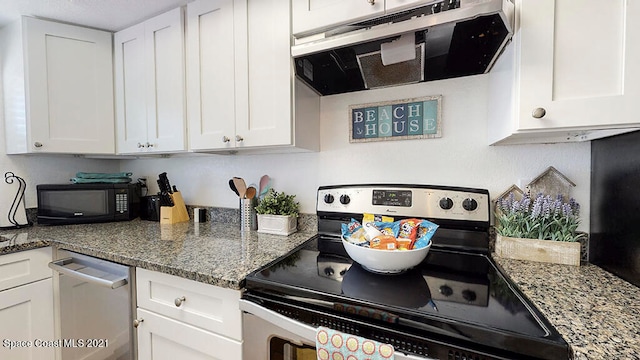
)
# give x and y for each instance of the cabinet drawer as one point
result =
(163, 338)
(206, 306)
(24, 267)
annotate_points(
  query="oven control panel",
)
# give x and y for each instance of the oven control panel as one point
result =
(451, 203)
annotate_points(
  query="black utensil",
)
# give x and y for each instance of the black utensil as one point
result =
(232, 185)
(164, 183)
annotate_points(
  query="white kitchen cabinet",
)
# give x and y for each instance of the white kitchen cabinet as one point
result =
(26, 304)
(150, 89)
(242, 93)
(181, 318)
(160, 337)
(313, 16)
(58, 88)
(562, 78)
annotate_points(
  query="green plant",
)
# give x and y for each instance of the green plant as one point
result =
(278, 203)
(543, 218)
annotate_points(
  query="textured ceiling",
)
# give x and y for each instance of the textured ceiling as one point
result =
(110, 15)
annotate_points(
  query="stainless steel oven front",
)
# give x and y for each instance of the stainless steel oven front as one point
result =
(272, 336)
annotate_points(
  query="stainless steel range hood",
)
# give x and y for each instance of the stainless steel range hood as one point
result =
(438, 40)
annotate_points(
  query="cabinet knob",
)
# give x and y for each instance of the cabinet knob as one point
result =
(149, 145)
(37, 144)
(539, 113)
(239, 138)
(225, 139)
(140, 146)
(137, 322)
(179, 301)
(372, 2)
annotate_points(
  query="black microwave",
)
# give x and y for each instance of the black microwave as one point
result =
(87, 203)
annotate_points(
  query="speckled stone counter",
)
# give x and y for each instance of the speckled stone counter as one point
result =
(213, 253)
(596, 312)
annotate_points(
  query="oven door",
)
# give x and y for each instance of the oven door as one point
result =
(272, 336)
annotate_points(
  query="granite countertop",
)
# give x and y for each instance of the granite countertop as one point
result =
(214, 253)
(596, 312)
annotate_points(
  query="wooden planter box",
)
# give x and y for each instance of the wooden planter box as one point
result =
(277, 224)
(557, 252)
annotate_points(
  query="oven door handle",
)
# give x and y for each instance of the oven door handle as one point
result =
(62, 266)
(305, 331)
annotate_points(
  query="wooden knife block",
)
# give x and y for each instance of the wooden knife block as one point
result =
(176, 213)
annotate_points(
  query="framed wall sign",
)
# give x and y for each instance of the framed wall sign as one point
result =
(417, 118)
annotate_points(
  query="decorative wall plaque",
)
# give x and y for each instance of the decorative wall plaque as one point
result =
(417, 118)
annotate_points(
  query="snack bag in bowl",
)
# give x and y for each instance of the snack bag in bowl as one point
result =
(354, 233)
(407, 233)
(426, 229)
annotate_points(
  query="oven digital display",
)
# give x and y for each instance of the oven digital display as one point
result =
(392, 198)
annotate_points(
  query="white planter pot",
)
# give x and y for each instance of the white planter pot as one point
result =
(277, 224)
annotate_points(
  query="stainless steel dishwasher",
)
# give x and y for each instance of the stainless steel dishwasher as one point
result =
(95, 300)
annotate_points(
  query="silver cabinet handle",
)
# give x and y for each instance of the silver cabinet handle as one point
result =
(137, 322)
(140, 146)
(372, 2)
(37, 144)
(225, 139)
(61, 267)
(149, 145)
(179, 301)
(539, 113)
(239, 138)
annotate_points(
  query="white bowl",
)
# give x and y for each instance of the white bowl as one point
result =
(385, 261)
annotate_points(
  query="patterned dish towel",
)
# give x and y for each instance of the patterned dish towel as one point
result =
(101, 178)
(335, 345)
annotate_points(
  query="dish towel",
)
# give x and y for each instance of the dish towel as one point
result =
(101, 178)
(335, 345)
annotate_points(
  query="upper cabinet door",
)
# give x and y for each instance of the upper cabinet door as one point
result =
(582, 74)
(166, 115)
(210, 74)
(150, 89)
(69, 82)
(131, 106)
(315, 15)
(268, 47)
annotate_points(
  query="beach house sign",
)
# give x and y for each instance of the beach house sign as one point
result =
(417, 118)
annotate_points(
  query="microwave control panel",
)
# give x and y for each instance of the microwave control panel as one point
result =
(122, 201)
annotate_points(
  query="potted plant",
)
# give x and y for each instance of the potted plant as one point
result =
(277, 213)
(541, 229)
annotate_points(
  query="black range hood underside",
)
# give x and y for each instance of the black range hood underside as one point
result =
(471, 50)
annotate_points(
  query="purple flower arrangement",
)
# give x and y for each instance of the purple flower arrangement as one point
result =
(543, 218)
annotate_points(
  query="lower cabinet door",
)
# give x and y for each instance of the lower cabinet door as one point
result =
(26, 321)
(162, 338)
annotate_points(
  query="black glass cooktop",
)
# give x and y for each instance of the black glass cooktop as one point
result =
(451, 296)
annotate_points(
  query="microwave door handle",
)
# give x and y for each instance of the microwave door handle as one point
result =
(60, 266)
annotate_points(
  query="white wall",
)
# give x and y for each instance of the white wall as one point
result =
(461, 157)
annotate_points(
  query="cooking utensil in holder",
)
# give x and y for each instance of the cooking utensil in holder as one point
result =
(176, 213)
(248, 217)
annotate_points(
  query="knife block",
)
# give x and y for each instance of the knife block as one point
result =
(176, 213)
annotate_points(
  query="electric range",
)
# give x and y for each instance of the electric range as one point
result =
(456, 304)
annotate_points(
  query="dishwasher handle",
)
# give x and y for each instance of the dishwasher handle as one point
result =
(61, 267)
